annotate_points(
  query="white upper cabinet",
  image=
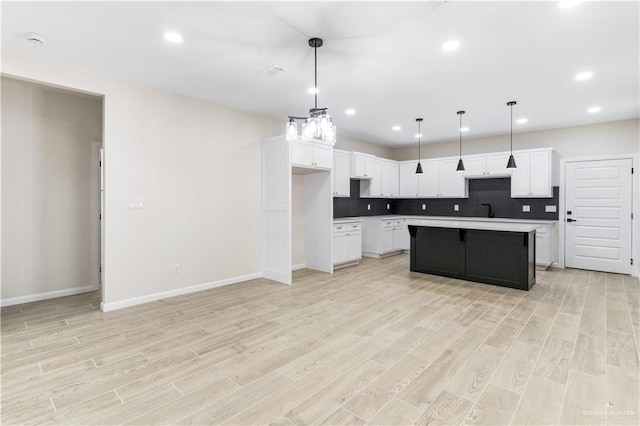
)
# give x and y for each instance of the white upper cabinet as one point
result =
(341, 173)
(440, 179)
(408, 179)
(389, 178)
(452, 183)
(429, 180)
(363, 166)
(493, 165)
(311, 154)
(533, 175)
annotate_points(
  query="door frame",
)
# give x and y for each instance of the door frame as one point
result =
(635, 201)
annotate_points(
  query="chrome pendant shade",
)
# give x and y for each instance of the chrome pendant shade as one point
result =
(511, 164)
(419, 135)
(318, 125)
(460, 167)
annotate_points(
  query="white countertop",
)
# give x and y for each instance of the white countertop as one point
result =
(347, 220)
(452, 218)
(475, 224)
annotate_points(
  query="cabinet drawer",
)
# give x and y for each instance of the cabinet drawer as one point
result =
(387, 224)
(340, 227)
(347, 227)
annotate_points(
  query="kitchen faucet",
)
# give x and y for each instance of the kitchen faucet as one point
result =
(491, 212)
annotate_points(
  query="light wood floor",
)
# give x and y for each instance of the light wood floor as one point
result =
(371, 344)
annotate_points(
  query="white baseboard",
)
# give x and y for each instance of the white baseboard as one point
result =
(48, 295)
(298, 266)
(106, 307)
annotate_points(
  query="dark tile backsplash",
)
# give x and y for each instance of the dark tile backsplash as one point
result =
(496, 192)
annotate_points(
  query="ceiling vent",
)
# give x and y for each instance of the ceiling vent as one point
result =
(434, 4)
(271, 71)
(35, 38)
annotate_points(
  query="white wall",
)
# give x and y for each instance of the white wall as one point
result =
(616, 137)
(197, 167)
(50, 214)
(349, 144)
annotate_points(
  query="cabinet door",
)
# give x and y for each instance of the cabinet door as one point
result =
(353, 246)
(302, 153)
(497, 165)
(358, 165)
(451, 181)
(371, 168)
(393, 178)
(375, 182)
(429, 180)
(387, 240)
(474, 166)
(398, 237)
(408, 179)
(339, 247)
(543, 252)
(521, 175)
(322, 156)
(341, 174)
(540, 185)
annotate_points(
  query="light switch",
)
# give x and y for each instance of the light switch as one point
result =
(550, 209)
(368, 206)
(526, 209)
(456, 208)
(388, 206)
(424, 207)
(136, 203)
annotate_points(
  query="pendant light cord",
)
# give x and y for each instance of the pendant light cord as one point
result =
(315, 73)
(460, 131)
(512, 128)
(419, 137)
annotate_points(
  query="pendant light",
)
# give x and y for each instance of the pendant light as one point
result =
(419, 168)
(319, 124)
(511, 164)
(460, 167)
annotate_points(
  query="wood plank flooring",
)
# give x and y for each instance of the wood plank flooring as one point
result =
(372, 344)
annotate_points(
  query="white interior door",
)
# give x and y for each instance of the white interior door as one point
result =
(598, 212)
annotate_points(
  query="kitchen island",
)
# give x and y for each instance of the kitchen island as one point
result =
(494, 253)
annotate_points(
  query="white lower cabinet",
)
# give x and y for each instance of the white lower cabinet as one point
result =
(347, 243)
(545, 240)
(382, 235)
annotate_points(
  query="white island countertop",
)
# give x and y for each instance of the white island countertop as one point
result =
(478, 225)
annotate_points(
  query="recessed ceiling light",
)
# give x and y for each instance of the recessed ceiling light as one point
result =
(450, 45)
(312, 90)
(594, 109)
(396, 128)
(464, 129)
(418, 135)
(350, 111)
(585, 75)
(568, 4)
(522, 120)
(173, 37)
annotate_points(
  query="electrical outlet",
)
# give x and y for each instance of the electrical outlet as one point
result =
(456, 208)
(550, 209)
(368, 206)
(175, 269)
(526, 208)
(388, 206)
(136, 203)
(424, 207)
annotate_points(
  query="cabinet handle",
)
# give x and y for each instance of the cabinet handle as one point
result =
(354, 226)
(339, 227)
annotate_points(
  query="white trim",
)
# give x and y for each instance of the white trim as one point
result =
(298, 266)
(106, 307)
(48, 295)
(635, 206)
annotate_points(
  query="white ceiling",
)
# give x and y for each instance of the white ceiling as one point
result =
(382, 58)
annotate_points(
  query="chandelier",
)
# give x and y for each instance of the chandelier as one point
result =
(318, 125)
